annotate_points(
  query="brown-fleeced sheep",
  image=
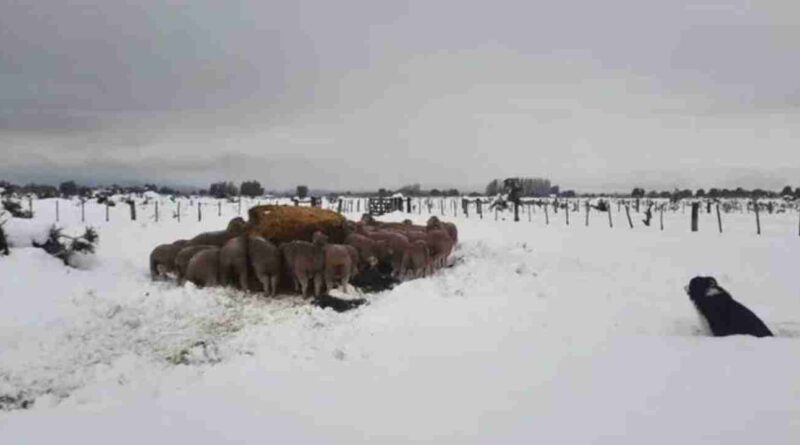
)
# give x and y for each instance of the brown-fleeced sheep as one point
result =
(203, 268)
(265, 259)
(162, 258)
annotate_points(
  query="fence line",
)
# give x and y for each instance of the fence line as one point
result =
(469, 208)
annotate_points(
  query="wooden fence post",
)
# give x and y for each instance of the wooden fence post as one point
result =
(156, 211)
(566, 208)
(107, 210)
(132, 205)
(719, 219)
(219, 208)
(546, 216)
(199, 211)
(758, 220)
(628, 213)
(83, 210)
(661, 216)
(179, 211)
(516, 211)
(58, 216)
(240, 204)
(695, 212)
(610, 222)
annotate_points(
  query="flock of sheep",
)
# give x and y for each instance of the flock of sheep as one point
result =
(251, 262)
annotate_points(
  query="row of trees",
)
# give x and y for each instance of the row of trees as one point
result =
(416, 190)
(229, 189)
(530, 187)
(717, 193)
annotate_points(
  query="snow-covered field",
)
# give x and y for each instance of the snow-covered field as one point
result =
(550, 333)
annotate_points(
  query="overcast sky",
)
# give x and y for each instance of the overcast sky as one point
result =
(595, 95)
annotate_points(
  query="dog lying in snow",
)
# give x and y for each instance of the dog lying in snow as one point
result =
(337, 304)
(723, 315)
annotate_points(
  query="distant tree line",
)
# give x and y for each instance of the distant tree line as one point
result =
(530, 187)
(535, 187)
(715, 193)
(416, 190)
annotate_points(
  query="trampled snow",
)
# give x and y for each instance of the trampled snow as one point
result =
(562, 334)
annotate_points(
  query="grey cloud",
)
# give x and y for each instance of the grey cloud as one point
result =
(363, 94)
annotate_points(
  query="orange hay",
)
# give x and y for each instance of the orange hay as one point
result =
(282, 224)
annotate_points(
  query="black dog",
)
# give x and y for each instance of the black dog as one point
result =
(725, 315)
(375, 279)
(337, 304)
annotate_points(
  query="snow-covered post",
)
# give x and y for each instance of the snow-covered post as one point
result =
(30, 205)
(199, 211)
(408, 205)
(132, 205)
(57, 212)
(107, 211)
(179, 211)
(479, 205)
(719, 219)
(610, 222)
(219, 208)
(566, 208)
(240, 205)
(516, 211)
(587, 213)
(661, 216)
(546, 216)
(156, 211)
(628, 213)
(529, 211)
(695, 211)
(83, 210)
(339, 207)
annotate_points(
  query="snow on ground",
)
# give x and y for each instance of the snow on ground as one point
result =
(562, 334)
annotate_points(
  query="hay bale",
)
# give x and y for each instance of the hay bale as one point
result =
(282, 224)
